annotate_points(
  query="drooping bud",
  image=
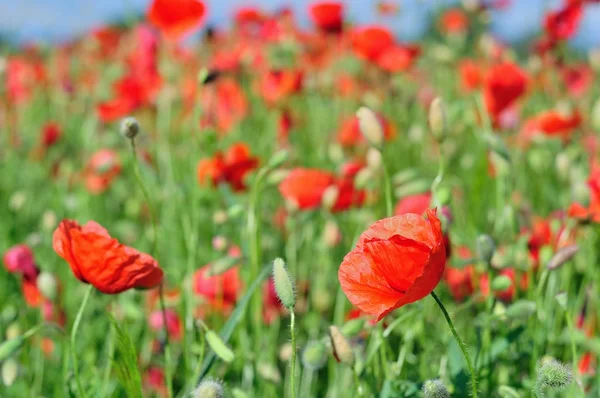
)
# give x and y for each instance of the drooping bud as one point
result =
(314, 355)
(562, 256)
(552, 375)
(10, 371)
(10, 347)
(330, 196)
(46, 283)
(130, 127)
(438, 121)
(342, 350)
(485, 247)
(209, 388)
(218, 346)
(284, 287)
(369, 126)
(278, 159)
(435, 389)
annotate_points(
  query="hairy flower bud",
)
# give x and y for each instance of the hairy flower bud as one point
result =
(130, 127)
(342, 351)
(438, 121)
(370, 126)
(283, 284)
(46, 283)
(485, 248)
(435, 389)
(552, 375)
(209, 388)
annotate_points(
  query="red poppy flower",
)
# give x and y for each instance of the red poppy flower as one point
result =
(277, 85)
(349, 133)
(102, 168)
(417, 204)
(397, 261)
(578, 79)
(115, 109)
(551, 124)
(220, 289)
(174, 327)
(398, 58)
(454, 21)
(19, 259)
(592, 211)
(51, 133)
(246, 17)
(471, 75)
(231, 167)
(562, 24)
(328, 16)
(176, 18)
(371, 41)
(154, 380)
(305, 187)
(460, 280)
(32, 295)
(97, 258)
(225, 105)
(504, 84)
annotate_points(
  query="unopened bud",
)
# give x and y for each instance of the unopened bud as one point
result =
(405, 176)
(314, 355)
(278, 159)
(10, 370)
(435, 389)
(10, 347)
(353, 327)
(413, 188)
(283, 284)
(369, 126)
(219, 347)
(563, 165)
(220, 217)
(363, 177)
(222, 265)
(521, 309)
(330, 197)
(501, 283)
(342, 351)
(276, 176)
(269, 372)
(331, 234)
(562, 256)
(374, 159)
(485, 248)
(130, 127)
(561, 299)
(209, 388)
(552, 375)
(46, 283)
(438, 122)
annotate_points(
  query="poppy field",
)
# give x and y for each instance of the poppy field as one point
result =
(278, 210)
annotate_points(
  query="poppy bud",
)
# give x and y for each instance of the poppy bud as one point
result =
(342, 351)
(222, 265)
(363, 177)
(521, 309)
(330, 196)
(374, 159)
(485, 247)
(277, 176)
(353, 327)
(17, 200)
(209, 388)
(331, 234)
(314, 355)
(501, 283)
(10, 370)
(47, 285)
(285, 352)
(9, 347)
(370, 126)
(49, 220)
(405, 176)
(13, 331)
(219, 347)
(220, 217)
(283, 284)
(435, 389)
(552, 375)
(438, 121)
(130, 127)
(278, 159)
(562, 256)
(269, 372)
(563, 166)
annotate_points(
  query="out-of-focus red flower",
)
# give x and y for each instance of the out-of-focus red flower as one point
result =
(176, 18)
(32, 295)
(563, 23)
(349, 132)
(108, 39)
(328, 16)
(219, 290)
(97, 258)
(249, 17)
(578, 79)
(371, 41)
(348, 195)
(305, 187)
(115, 109)
(19, 259)
(277, 85)
(387, 8)
(416, 204)
(156, 322)
(284, 126)
(225, 106)
(22, 76)
(154, 380)
(592, 211)
(102, 168)
(454, 21)
(471, 75)
(551, 124)
(272, 307)
(231, 167)
(504, 84)
(460, 280)
(51, 133)
(397, 261)
(586, 364)
(517, 283)
(398, 58)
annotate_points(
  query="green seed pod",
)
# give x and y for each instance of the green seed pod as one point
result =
(435, 389)
(46, 283)
(314, 355)
(10, 371)
(130, 127)
(370, 126)
(353, 327)
(552, 375)
(283, 284)
(501, 283)
(219, 347)
(438, 121)
(485, 248)
(10, 347)
(342, 351)
(209, 388)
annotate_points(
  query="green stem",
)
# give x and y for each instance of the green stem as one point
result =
(88, 293)
(293, 365)
(462, 345)
(389, 210)
(140, 181)
(438, 179)
(168, 377)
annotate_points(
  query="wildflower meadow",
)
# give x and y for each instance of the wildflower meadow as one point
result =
(277, 210)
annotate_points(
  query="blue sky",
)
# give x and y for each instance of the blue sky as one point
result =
(57, 20)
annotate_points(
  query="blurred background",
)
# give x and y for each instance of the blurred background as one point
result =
(52, 21)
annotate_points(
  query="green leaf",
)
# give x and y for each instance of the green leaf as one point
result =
(234, 319)
(125, 360)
